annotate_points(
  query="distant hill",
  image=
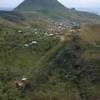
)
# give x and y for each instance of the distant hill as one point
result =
(56, 11)
(95, 10)
(12, 16)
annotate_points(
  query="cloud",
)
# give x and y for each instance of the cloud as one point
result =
(9, 3)
(89, 3)
(81, 3)
(70, 3)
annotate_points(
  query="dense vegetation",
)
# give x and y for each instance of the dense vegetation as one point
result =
(56, 70)
(59, 65)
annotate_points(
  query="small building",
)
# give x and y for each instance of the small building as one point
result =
(36, 32)
(20, 31)
(34, 42)
(51, 34)
(22, 83)
(26, 45)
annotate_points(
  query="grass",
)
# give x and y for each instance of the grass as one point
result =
(38, 63)
(90, 41)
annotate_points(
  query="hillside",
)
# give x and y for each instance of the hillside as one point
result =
(11, 16)
(41, 41)
(56, 69)
(54, 10)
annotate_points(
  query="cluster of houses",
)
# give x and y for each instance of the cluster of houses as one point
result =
(55, 28)
(58, 27)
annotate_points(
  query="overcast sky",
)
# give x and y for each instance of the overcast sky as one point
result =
(10, 4)
(86, 4)
(81, 3)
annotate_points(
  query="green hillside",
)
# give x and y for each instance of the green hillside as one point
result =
(56, 69)
(12, 16)
(60, 61)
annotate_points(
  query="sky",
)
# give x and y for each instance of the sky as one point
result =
(80, 4)
(9, 4)
(84, 5)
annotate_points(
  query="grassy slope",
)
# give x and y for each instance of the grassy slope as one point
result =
(36, 63)
(12, 44)
(91, 40)
(55, 81)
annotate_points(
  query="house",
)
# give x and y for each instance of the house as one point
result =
(26, 45)
(22, 83)
(34, 42)
(20, 31)
(51, 34)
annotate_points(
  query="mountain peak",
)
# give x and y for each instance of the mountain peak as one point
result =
(55, 10)
(30, 5)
